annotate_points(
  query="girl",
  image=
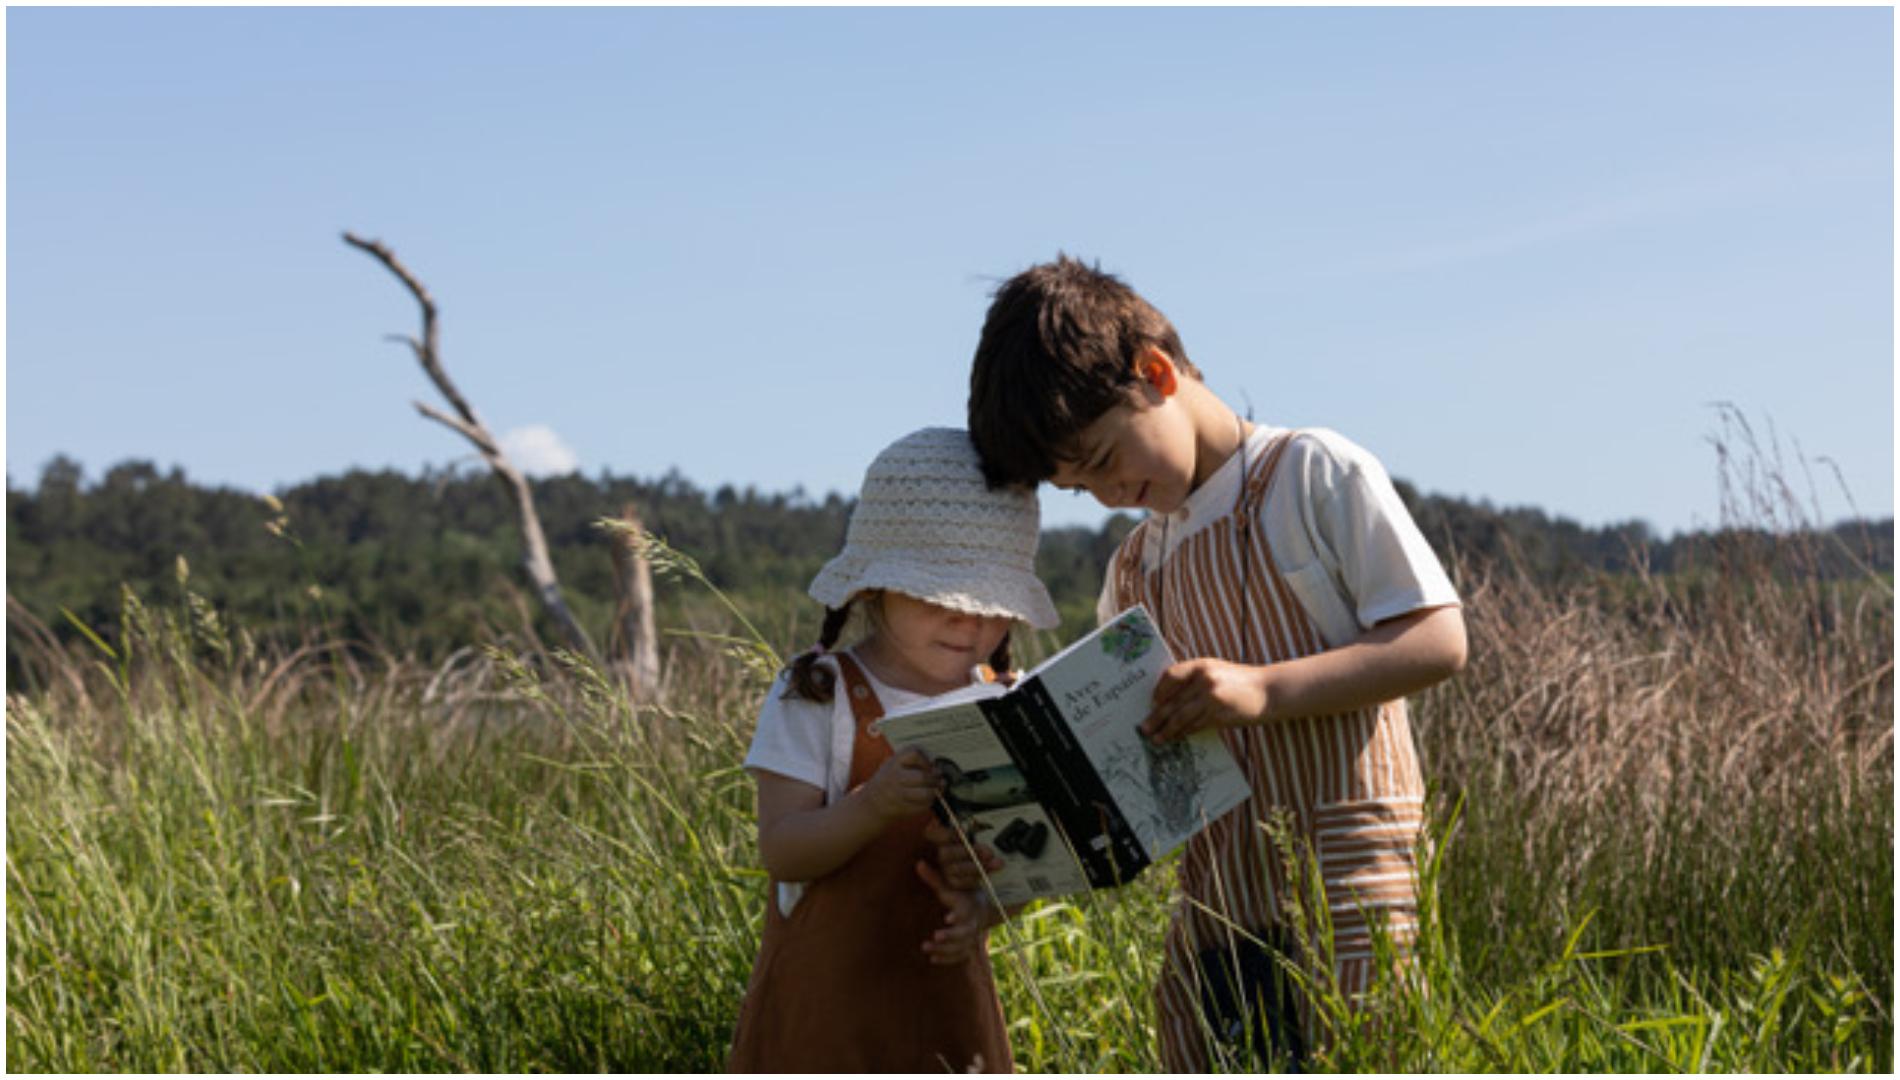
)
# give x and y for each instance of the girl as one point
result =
(861, 969)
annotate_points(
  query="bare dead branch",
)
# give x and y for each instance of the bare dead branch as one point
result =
(535, 560)
(426, 350)
(632, 643)
(476, 435)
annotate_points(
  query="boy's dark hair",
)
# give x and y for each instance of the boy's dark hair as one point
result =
(1057, 351)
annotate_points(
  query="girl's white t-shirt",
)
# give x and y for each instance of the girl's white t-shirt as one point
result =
(1340, 535)
(810, 741)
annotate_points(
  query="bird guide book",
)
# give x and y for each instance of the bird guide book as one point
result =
(1053, 775)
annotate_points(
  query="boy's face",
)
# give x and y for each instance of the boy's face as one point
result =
(1137, 454)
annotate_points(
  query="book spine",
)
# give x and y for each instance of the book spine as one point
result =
(1037, 736)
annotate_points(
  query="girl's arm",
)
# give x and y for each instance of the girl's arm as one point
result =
(802, 839)
(968, 916)
(1397, 657)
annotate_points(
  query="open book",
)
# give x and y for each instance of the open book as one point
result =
(1053, 774)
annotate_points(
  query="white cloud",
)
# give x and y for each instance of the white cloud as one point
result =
(537, 451)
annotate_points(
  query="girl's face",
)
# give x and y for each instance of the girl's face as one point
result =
(931, 649)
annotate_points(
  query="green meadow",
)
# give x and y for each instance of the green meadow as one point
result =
(1662, 840)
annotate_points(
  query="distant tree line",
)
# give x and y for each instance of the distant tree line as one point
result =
(422, 565)
(1557, 550)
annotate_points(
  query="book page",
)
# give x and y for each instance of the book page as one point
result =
(1103, 686)
(987, 794)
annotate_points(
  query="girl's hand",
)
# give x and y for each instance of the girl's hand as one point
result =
(967, 920)
(905, 785)
(1197, 694)
(961, 870)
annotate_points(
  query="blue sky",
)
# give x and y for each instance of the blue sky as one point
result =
(1516, 253)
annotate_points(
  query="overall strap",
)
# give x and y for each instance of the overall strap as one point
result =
(1247, 507)
(864, 703)
(1296, 626)
(1127, 568)
(868, 748)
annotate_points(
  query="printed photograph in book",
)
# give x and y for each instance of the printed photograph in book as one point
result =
(987, 795)
(1053, 774)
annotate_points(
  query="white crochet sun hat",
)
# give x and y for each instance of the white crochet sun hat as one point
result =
(927, 525)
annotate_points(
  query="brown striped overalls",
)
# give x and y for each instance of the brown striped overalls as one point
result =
(842, 983)
(1348, 785)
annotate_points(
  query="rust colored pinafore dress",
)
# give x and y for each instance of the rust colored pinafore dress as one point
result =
(843, 984)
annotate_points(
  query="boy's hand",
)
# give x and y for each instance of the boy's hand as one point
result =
(905, 785)
(1197, 694)
(960, 870)
(966, 920)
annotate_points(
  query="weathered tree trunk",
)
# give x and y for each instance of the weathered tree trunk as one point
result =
(535, 561)
(633, 647)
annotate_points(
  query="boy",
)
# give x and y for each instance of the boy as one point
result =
(1284, 570)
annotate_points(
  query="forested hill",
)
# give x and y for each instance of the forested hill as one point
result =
(427, 564)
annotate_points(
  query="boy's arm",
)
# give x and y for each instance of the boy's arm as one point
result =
(1397, 657)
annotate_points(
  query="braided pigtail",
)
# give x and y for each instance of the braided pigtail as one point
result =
(809, 680)
(1000, 662)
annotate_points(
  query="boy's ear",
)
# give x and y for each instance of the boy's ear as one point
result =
(1154, 367)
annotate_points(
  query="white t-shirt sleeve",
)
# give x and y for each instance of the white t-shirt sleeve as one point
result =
(793, 737)
(1362, 533)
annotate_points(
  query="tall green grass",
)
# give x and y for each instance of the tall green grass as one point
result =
(1663, 840)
